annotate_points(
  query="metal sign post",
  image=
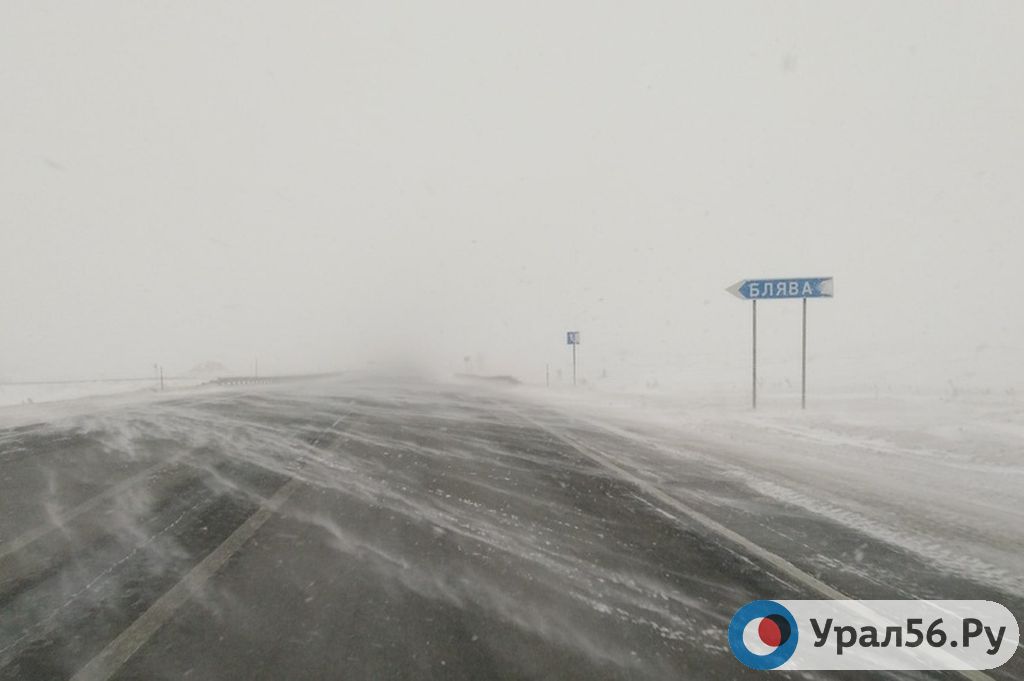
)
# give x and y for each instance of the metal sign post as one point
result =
(753, 390)
(573, 338)
(803, 360)
(799, 287)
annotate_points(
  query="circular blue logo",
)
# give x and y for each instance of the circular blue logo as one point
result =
(763, 635)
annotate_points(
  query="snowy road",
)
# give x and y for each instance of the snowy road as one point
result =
(358, 529)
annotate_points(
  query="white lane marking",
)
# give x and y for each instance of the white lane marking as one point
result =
(47, 623)
(750, 547)
(36, 533)
(316, 441)
(651, 491)
(120, 650)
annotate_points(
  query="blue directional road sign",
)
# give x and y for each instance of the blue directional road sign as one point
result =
(797, 287)
(572, 337)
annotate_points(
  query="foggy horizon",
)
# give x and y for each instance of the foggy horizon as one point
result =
(323, 186)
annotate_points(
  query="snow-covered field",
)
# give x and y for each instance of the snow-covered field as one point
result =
(941, 477)
(34, 393)
(49, 403)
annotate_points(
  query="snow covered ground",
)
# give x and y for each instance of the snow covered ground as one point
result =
(26, 404)
(33, 393)
(943, 478)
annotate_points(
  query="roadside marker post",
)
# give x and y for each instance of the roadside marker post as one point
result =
(572, 338)
(780, 289)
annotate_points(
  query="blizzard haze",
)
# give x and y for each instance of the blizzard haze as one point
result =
(323, 184)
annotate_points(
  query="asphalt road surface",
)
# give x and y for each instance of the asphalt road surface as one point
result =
(396, 529)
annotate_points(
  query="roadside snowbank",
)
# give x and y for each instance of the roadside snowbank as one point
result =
(33, 393)
(939, 477)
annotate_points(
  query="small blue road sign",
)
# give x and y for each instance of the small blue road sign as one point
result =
(572, 338)
(798, 287)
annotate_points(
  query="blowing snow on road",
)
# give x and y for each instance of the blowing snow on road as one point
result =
(382, 528)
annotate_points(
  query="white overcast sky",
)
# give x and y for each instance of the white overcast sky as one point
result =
(314, 183)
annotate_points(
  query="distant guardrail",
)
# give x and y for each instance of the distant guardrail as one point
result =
(264, 380)
(509, 380)
(239, 380)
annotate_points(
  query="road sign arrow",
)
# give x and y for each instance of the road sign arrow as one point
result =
(735, 289)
